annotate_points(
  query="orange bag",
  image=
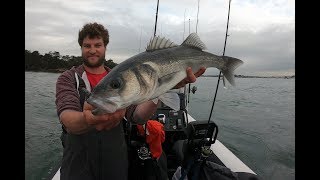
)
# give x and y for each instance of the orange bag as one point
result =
(155, 136)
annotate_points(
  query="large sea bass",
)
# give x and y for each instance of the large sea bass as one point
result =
(154, 72)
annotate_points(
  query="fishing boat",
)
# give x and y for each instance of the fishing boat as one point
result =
(186, 139)
(191, 147)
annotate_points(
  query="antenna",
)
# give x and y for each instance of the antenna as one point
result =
(155, 24)
(140, 38)
(189, 25)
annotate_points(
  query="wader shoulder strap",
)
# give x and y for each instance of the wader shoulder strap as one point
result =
(80, 84)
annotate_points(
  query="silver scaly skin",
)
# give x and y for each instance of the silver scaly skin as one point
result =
(152, 73)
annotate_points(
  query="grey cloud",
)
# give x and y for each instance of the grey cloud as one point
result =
(54, 26)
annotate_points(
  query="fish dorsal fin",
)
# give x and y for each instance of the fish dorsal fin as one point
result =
(160, 43)
(193, 40)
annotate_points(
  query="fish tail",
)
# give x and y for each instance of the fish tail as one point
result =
(231, 65)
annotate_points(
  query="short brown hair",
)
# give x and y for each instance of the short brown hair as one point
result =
(93, 30)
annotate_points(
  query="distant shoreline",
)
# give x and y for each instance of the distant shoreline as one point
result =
(48, 70)
(243, 76)
(237, 76)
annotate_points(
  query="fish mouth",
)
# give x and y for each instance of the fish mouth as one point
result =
(106, 106)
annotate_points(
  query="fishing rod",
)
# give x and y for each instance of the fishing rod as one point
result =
(189, 33)
(189, 83)
(224, 48)
(197, 17)
(184, 28)
(155, 24)
(184, 24)
(144, 152)
(205, 150)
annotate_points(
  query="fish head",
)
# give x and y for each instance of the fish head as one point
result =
(121, 88)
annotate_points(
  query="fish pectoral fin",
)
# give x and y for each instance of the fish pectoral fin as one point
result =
(168, 82)
(171, 99)
(167, 78)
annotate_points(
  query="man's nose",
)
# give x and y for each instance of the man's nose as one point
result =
(92, 50)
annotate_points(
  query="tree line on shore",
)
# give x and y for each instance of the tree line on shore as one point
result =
(53, 61)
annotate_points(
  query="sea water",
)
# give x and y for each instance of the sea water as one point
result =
(256, 121)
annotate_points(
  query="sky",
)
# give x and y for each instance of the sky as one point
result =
(261, 32)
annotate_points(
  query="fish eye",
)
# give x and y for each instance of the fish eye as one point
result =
(115, 84)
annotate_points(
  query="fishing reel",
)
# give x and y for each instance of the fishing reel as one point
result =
(202, 132)
(201, 136)
(144, 153)
(195, 150)
(136, 143)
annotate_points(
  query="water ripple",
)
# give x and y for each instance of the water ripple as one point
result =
(255, 119)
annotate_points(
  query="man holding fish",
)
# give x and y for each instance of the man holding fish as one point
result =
(93, 137)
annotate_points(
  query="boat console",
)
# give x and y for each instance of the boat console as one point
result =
(178, 131)
(185, 141)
